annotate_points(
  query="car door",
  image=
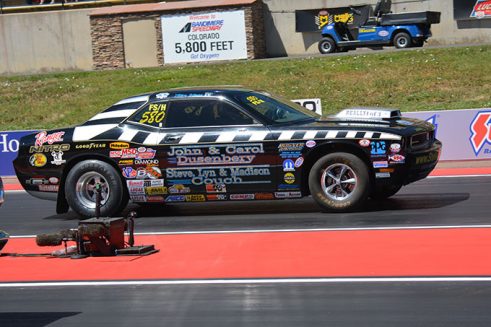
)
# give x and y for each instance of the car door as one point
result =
(210, 149)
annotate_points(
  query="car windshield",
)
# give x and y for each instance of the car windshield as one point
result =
(275, 109)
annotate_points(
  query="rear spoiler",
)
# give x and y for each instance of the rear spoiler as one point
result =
(369, 114)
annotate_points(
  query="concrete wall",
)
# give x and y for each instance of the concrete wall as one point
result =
(281, 38)
(45, 41)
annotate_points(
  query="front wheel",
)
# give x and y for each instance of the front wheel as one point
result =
(327, 45)
(402, 40)
(339, 182)
(80, 188)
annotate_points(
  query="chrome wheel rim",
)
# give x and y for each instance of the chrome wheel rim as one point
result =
(326, 46)
(86, 192)
(338, 182)
(402, 42)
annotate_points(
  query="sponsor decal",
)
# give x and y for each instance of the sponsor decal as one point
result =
(195, 198)
(155, 198)
(179, 189)
(219, 175)
(136, 190)
(481, 9)
(382, 175)
(289, 178)
(395, 148)
(290, 147)
(129, 172)
(378, 148)
(155, 190)
(161, 96)
(397, 158)
(153, 172)
(146, 162)
(364, 143)
(264, 196)
(153, 182)
(288, 186)
(49, 148)
(367, 30)
(37, 181)
(310, 144)
(54, 180)
(241, 196)
(299, 162)
(480, 131)
(428, 158)
(216, 197)
(119, 145)
(383, 33)
(57, 158)
(48, 188)
(387, 170)
(175, 198)
(239, 154)
(126, 162)
(135, 183)
(44, 137)
(286, 195)
(90, 146)
(145, 153)
(288, 165)
(38, 160)
(290, 154)
(380, 164)
(216, 188)
(138, 198)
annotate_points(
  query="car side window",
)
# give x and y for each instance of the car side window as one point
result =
(204, 112)
(152, 114)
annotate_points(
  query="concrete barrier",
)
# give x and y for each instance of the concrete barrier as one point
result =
(45, 41)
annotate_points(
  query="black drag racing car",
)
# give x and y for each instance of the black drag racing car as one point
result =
(221, 144)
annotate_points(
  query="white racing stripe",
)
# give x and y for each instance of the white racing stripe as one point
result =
(85, 133)
(256, 281)
(114, 114)
(299, 230)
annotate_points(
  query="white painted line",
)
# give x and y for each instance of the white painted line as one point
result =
(299, 230)
(254, 281)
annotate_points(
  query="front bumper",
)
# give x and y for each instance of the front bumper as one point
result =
(421, 163)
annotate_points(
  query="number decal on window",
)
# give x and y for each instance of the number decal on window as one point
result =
(154, 114)
(254, 100)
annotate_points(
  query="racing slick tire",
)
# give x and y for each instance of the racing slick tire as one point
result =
(384, 192)
(402, 40)
(80, 189)
(339, 182)
(327, 45)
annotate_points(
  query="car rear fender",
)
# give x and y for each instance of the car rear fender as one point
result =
(330, 147)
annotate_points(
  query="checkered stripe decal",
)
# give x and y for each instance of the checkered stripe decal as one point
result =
(148, 138)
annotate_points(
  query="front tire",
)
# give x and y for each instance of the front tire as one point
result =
(80, 189)
(402, 40)
(327, 45)
(339, 182)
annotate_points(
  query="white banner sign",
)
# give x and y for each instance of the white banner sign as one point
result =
(204, 36)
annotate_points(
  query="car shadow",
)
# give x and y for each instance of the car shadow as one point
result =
(400, 202)
(306, 205)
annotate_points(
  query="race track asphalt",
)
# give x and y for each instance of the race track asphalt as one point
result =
(435, 202)
(440, 201)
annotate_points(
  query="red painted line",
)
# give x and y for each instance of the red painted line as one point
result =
(13, 187)
(461, 171)
(447, 252)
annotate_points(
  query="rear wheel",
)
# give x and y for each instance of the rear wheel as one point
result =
(339, 182)
(327, 45)
(80, 188)
(402, 40)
